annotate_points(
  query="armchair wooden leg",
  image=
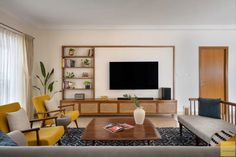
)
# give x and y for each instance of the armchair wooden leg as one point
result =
(197, 140)
(59, 143)
(76, 123)
(181, 129)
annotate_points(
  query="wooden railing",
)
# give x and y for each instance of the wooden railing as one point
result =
(227, 110)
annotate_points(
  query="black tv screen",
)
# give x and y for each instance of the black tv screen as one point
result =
(134, 75)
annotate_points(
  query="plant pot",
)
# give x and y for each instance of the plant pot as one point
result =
(139, 115)
(87, 86)
(71, 53)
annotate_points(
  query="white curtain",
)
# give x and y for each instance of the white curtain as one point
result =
(12, 73)
(28, 68)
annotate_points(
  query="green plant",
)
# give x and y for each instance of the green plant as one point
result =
(44, 80)
(87, 83)
(85, 62)
(70, 75)
(134, 99)
(71, 49)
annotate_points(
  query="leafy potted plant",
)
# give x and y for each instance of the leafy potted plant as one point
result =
(139, 113)
(71, 52)
(70, 75)
(45, 80)
(85, 62)
(87, 84)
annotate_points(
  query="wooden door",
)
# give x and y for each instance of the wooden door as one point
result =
(213, 72)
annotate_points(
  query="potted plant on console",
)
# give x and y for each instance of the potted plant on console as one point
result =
(139, 113)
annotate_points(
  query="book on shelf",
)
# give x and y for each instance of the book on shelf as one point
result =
(69, 63)
(117, 127)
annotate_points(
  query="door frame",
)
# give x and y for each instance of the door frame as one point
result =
(226, 68)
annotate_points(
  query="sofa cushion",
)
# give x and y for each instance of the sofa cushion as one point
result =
(18, 120)
(205, 127)
(6, 140)
(209, 107)
(18, 137)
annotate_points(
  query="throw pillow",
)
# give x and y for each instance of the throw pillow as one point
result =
(51, 105)
(18, 120)
(18, 137)
(6, 140)
(209, 107)
(221, 136)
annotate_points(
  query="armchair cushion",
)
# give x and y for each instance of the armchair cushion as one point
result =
(18, 137)
(72, 114)
(47, 136)
(51, 105)
(18, 120)
(6, 140)
(209, 107)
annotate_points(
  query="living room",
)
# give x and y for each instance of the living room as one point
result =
(170, 34)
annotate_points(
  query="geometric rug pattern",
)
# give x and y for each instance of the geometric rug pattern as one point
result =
(170, 137)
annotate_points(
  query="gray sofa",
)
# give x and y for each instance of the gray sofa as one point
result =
(110, 151)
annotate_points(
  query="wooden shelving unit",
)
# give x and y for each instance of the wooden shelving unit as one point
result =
(73, 85)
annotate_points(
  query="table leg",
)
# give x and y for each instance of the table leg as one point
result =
(93, 142)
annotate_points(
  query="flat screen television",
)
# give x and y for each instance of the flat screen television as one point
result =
(133, 75)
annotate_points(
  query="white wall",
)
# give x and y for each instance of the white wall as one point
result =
(48, 49)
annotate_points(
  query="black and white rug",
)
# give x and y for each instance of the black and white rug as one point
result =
(170, 137)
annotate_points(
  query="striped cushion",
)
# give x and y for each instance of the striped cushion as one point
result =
(221, 136)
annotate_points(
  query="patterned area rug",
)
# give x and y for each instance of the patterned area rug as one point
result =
(170, 137)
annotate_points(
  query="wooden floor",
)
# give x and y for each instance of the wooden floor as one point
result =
(158, 121)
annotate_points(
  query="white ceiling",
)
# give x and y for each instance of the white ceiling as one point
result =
(62, 13)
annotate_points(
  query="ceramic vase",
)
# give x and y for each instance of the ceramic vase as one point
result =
(139, 115)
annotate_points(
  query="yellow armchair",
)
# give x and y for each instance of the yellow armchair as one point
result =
(34, 136)
(42, 112)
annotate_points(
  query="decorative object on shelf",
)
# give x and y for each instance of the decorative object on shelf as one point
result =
(91, 52)
(69, 85)
(85, 62)
(45, 81)
(71, 52)
(104, 97)
(87, 84)
(70, 75)
(85, 74)
(79, 96)
(139, 113)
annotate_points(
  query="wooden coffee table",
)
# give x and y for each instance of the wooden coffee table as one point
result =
(95, 131)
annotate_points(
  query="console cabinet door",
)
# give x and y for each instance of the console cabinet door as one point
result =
(149, 108)
(127, 108)
(88, 108)
(108, 108)
(167, 108)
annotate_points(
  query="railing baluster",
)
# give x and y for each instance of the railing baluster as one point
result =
(190, 107)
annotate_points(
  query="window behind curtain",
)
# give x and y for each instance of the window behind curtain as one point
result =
(11, 67)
